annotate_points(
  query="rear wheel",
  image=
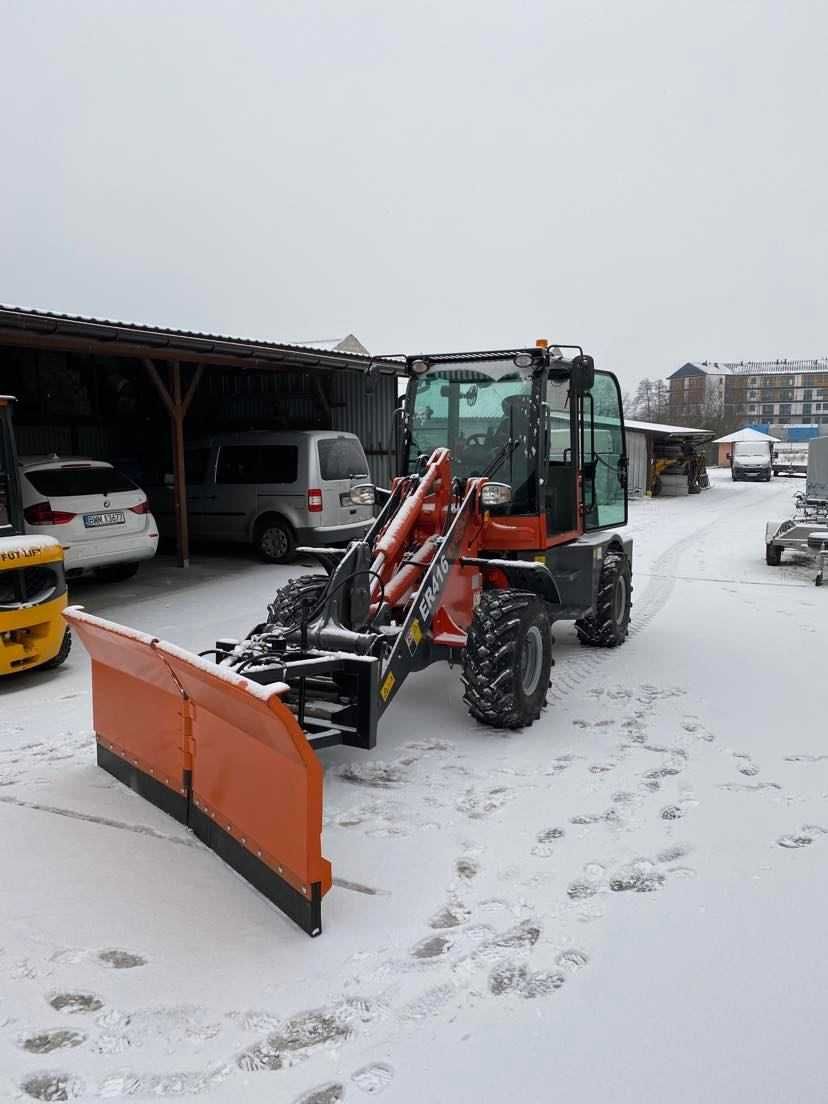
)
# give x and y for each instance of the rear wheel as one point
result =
(274, 540)
(63, 654)
(507, 659)
(609, 625)
(773, 554)
(116, 573)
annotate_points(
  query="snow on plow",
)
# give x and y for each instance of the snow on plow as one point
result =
(218, 752)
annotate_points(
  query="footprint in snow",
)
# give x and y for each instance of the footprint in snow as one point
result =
(331, 1093)
(52, 1086)
(75, 1003)
(44, 1042)
(804, 837)
(121, 960)
(373, 1079)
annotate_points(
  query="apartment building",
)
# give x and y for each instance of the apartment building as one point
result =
(782, 392)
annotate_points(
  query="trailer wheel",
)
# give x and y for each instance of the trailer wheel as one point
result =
(507, 659)
(296, 599)
(609, 625)
(773, 555)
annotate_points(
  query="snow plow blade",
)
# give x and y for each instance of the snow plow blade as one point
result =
(221, 754)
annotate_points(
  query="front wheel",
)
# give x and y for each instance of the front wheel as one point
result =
(507, 659)
(63, 653)
(773, 555)
(609, 625)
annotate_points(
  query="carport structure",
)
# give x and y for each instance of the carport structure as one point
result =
(126, 393)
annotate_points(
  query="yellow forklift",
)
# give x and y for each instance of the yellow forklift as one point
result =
(32, 583)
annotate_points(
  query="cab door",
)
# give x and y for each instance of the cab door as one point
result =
(603, 455)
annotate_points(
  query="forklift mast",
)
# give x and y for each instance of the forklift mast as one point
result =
(11, 510)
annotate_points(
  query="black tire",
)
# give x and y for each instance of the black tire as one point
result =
(63, 654)
(610, 624)
(296, 599)
(657, 485)
(507, 659)
(768, 477)
(116, 573)
(275, 541)
(773, 555)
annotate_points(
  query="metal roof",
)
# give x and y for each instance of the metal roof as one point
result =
(659, 430)
(134, 339)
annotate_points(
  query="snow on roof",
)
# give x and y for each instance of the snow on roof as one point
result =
(667, 430)
(744, 435)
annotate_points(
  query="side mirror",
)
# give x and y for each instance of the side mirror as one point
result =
(582, 376)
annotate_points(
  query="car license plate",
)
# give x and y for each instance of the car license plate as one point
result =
(95, 521)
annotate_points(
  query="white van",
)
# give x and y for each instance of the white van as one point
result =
(272, 490)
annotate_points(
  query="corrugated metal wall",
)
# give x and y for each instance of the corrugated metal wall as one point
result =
(366, 407)
(637, 455)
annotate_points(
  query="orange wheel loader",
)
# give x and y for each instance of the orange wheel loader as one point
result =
(513, 476)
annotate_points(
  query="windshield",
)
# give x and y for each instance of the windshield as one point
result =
(485, 421)
(750, 450)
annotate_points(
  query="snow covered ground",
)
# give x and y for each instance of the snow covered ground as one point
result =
(625, 902)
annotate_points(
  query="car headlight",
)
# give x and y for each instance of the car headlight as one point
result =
(364, 494)
(496, 494)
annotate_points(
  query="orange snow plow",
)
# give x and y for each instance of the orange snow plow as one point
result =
(513, 477)
(220, 754)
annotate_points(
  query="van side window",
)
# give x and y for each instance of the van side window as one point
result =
(195, 461)
(341, 458)
(258, 464)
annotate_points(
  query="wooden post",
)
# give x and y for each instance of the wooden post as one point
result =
(177, 407)
(181, 528)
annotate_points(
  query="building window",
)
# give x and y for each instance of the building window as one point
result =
(806, 409)
(807, 395)
(784, 408)
(767, 408)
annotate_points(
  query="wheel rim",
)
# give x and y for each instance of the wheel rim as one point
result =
(274, 542)
(619, 605)
(531, 660)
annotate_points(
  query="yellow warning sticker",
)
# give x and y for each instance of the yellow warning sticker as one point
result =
(387, 686)
(414, 636)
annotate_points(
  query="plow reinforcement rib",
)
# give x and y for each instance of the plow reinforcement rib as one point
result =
(222, 755)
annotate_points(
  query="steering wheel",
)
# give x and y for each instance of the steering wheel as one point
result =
(477, 440)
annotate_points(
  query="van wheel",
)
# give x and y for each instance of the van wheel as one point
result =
(274, 541)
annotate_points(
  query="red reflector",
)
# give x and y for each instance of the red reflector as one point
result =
(141, 508)
(314, 501)
(43, 514)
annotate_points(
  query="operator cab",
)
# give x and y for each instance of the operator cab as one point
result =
(549, 427)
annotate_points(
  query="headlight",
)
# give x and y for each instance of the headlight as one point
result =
(364, 494)
(496, 494)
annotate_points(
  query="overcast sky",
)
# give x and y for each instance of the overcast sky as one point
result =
(648, 178)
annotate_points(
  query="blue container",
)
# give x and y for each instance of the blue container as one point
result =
(802, 432)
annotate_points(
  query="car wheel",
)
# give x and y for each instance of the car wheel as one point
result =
(116, 573)
(275, 542)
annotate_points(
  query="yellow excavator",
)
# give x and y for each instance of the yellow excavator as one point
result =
(32, 583)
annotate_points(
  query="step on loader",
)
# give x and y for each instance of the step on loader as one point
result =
(513, 476)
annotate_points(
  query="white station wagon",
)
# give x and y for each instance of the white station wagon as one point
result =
(101, 518)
